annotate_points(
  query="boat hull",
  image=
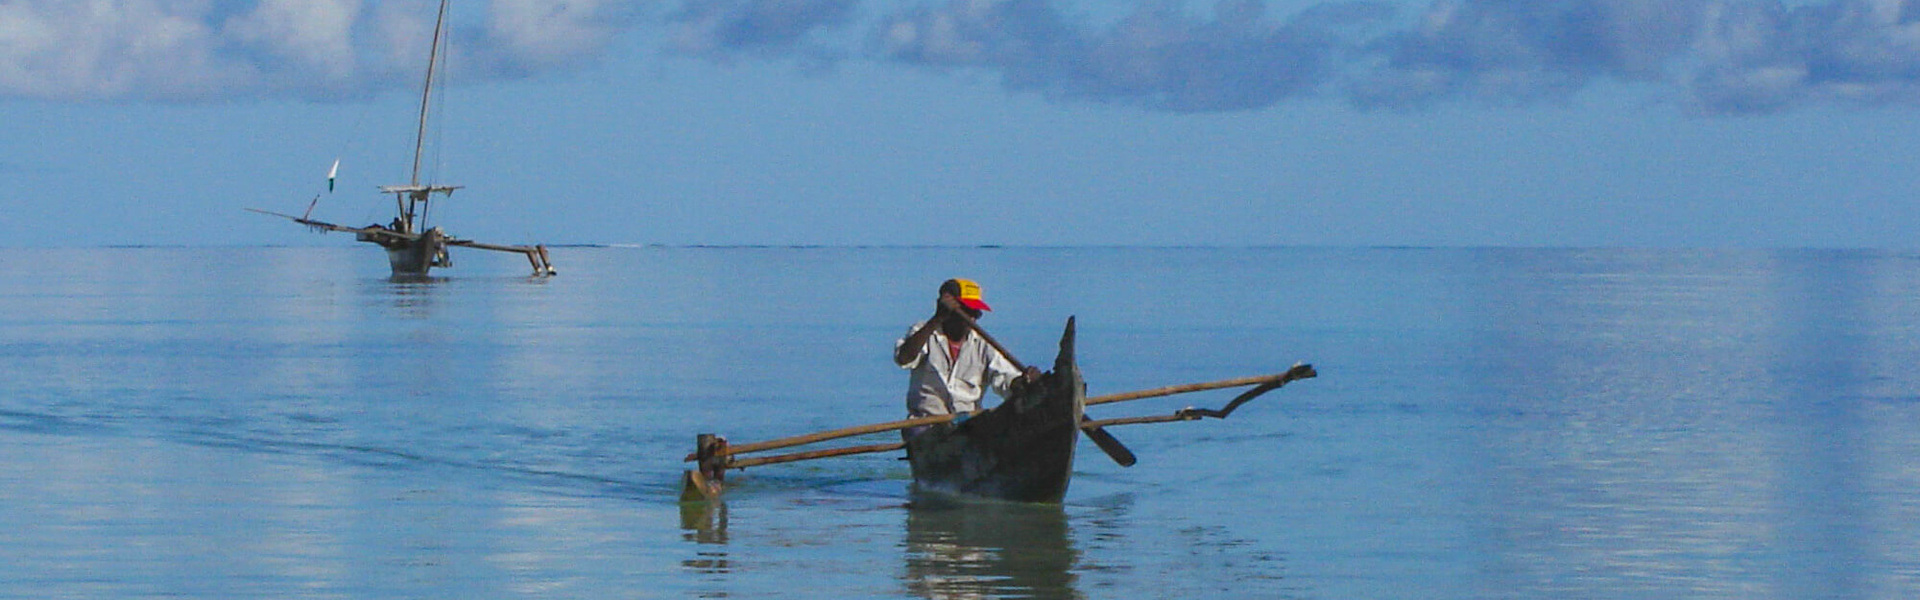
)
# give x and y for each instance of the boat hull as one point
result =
(1020, 451)
(417, 257)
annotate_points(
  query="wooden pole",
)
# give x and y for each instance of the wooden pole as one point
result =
(801, 440)
(742, 463)
(798, 456)
(1180, 416)
(1298, 372)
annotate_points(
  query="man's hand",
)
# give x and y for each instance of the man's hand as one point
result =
(940, 311)
(1032, 374)
(1030, 377)
(910, 348)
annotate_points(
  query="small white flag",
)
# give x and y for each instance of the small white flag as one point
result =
(331, 173)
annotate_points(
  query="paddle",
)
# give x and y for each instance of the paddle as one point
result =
(1107, 443)
(953, 306)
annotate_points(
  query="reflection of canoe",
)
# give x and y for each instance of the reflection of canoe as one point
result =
(989, 550)
(1021, 450)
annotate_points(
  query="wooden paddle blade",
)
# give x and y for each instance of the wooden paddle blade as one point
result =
(1110, 445)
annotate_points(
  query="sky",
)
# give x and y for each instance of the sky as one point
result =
(1611, 123)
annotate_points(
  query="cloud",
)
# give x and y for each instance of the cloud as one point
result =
(530, 36)
(1765, 57)
(1157, 55)
(721, 29)
(61, 49)
(1710, 56)
(313, 36)
(1528, 50)
(202, 50)
(1713, 56)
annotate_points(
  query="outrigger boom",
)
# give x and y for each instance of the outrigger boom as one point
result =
(713, 456)
(390, 237)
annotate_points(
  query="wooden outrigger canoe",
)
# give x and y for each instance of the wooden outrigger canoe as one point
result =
(1021, 450)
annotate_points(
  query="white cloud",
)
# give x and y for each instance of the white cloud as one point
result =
(547, 32)
(107, 48)
(194, 50)
(313, 35)
(1717, 55)
(717, 28)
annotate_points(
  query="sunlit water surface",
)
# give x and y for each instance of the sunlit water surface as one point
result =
(289, 423)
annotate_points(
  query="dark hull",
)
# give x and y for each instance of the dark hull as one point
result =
(417, 256)
(1021, 450)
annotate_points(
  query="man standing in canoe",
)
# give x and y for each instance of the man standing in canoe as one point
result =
(952, 368)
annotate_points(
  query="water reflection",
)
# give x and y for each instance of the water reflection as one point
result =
(1653, 424)
(1824, 440)
(989, 550)
(413, 294)
(705, 524)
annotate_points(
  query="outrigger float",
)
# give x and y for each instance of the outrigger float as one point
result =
(413, 247)
(1021, 450)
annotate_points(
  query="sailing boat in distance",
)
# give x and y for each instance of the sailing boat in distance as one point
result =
(413, 247)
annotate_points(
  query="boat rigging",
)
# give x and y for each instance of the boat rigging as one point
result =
(413, 246)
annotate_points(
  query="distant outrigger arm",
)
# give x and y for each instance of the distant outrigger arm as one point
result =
(413, 248)
(404, 260)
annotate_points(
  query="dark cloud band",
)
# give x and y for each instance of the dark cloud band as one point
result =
(1709, 56)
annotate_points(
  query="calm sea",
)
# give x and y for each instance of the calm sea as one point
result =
(1528, 423)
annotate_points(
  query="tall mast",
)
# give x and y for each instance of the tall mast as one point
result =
(433, 58)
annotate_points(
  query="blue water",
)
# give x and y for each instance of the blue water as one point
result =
(1525, 423)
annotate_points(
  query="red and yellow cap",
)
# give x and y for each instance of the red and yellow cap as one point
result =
(966, 291)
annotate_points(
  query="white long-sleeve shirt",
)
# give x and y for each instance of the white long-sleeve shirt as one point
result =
(944, 383)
